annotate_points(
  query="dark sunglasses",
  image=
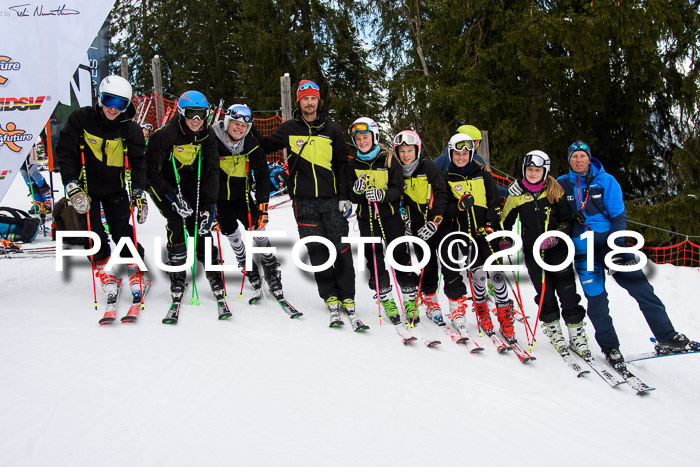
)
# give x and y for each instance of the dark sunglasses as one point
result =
(116, 102)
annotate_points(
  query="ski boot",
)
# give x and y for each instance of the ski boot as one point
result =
(253, 275)
(674, 344)
(483, 317)
(433, 308)
(458, 308)
(389, 306)
(334, 307)
(349, 307)
(177, 255)
(136, 280)
(272, 277)
(577, 338)
(614, 357)
(553, 331)
(505, 319)
(107, 279)
(408, 294)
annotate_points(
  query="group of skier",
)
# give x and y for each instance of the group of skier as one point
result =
(200, 175)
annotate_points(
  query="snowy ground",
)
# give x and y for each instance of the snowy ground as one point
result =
(263, 390)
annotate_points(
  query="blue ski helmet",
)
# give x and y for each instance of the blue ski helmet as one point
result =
(193, 100)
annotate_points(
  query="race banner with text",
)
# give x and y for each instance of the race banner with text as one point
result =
(41, 46)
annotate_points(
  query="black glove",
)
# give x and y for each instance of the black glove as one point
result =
(375, 195)
(359, 186)
(515, 188)
(138, 202)
(181, 206)
(427, 231)
(77, 197)
(465, 202)
(207, 220)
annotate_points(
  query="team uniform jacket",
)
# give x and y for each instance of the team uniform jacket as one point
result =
(425, 195)
(480, 184)
(176, 141)
(535, 211)
(377, 175)
(104, 142)
(316, 153)
(234, 170)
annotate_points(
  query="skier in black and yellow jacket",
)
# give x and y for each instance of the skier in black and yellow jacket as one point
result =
(105, 135)
(186, 146)
(473, 209)
(242, 161)
(377, 185)
(318, 158)
(424, 200)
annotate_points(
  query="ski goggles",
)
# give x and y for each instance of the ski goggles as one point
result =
(466, 145)
(407, 139)
(241, 113)
(536, 160)
(193, 113)
(309, 85)
(360, 127)
(577, 147)
(147, 126)
(114, 102)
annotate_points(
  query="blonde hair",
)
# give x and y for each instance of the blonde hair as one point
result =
(554, 190)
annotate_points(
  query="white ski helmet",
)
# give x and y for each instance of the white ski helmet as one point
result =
(364, 125)
(240, 113)
(409, 138)
(114, 86)
(461, 141)
(538, 159)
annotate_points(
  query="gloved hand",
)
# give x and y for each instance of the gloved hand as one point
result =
(549, 242)
(207, 220)
(360, 185)
(427, 231)
(484, 231)
(375, 195)
(345, 208)
(138, 202)
(261, 217)
(465, 202)
(515, 188)
(505, 243)
(77, 197)
(181, 206)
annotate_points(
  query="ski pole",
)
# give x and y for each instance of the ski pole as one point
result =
(83, 176)
(221, 258)
(196, 226)
(547, 211)
(127, 176)
(184, 224)
(250, 224)
(393, 273)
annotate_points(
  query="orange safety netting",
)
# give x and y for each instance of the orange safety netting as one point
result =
(503, 181)
(266, 126)
(685, 253)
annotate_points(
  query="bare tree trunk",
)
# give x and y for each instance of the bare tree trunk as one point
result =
(415, 24)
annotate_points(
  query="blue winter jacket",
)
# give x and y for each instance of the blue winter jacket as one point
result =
(598, 196)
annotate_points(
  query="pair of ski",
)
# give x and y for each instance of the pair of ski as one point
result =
(279, 297)
(622, 374)
(132, 315)
(355, 322)
(412, 332)
(173, 314)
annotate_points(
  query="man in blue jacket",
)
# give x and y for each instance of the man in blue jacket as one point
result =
(596, 200)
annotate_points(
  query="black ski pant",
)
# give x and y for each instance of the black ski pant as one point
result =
(117, 215)
(562, 282)
(230, 212)
(321, 217)
(389, 229)
(428, 279)
(175, 224)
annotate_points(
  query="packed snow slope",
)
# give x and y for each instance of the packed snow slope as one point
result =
(260, 389)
